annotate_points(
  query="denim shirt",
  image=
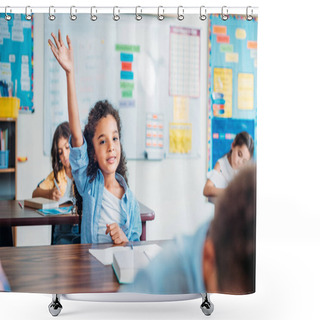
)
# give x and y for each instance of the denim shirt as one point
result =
(91, 193)
(177, 269)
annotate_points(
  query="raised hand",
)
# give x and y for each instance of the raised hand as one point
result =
(63, 54)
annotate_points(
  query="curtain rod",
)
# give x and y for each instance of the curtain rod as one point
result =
(138, 10)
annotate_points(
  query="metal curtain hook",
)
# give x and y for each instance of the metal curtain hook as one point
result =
(116, 17)
(160, 16)
(203, 16)
(224, 16)
(180, 15)
(7, 16)
(138, 16)
(52, 16)
(73, 17)
(93, 17)
(249, 17)
(28, 14)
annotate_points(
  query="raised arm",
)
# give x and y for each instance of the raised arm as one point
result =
(64, 56)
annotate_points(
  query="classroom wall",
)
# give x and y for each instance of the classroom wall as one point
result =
(177, 184)
(30, 144)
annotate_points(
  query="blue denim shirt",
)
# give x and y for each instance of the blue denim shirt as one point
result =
(91, 193)
(177, 269)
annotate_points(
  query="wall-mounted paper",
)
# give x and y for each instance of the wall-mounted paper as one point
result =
(245, 91)
(180, 137)
(222, 83)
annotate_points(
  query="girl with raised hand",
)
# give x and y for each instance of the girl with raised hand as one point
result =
(110, 212)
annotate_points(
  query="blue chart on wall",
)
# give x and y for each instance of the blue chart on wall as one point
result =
(16, 58)
(232, 82)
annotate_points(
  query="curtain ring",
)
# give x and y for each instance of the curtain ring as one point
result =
(52, 16)
(138, 16)
(73, 16)
(203, 15)
(224, 16)
(249, 17)
(160, 16)
(7, 16)
(93, 17)
(116, 17)
(180, 15)
(27, 14)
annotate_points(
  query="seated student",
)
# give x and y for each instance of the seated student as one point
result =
(4, 284)
(226, 167)
(59, 183)
(218, 258)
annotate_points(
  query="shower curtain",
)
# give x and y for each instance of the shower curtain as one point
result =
(185, 90)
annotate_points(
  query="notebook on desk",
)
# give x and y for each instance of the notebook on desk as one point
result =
(41, 203)
(55, 211)
(126, 264)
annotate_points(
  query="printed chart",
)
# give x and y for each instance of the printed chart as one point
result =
(16, 58)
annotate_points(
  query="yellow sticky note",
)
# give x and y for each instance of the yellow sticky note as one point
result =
(222, 83)
(180, 109)
(245, 91)
(180, 137)
(232, 57)
(241, 33)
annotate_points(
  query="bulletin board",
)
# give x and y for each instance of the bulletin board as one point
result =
(232, 82)
(16, 58)
(130, 63)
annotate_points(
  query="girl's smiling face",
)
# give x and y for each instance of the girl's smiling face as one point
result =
(106, 145)
(240, 155)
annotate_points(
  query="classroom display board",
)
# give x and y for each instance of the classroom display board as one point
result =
(16, 59)
(232, 82)
(149, 71)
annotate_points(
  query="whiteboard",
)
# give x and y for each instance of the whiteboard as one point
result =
(98, 51)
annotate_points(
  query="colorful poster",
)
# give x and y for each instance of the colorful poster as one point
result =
(154, 132)
(16, 58)
(232, 82)
(127, 74)
(222, 82)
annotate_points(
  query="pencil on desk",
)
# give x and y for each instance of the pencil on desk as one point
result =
(20, 204)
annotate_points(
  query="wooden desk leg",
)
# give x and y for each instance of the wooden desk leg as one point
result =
(206, 305)
(55, 306)
(14, 236)
(144, 231)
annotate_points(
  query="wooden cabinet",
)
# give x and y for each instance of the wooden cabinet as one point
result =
(8, 175)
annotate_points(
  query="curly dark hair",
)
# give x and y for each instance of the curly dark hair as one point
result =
(100, 110)
(62, 131)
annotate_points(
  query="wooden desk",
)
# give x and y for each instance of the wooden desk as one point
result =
(59, 269)
(11, 214)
